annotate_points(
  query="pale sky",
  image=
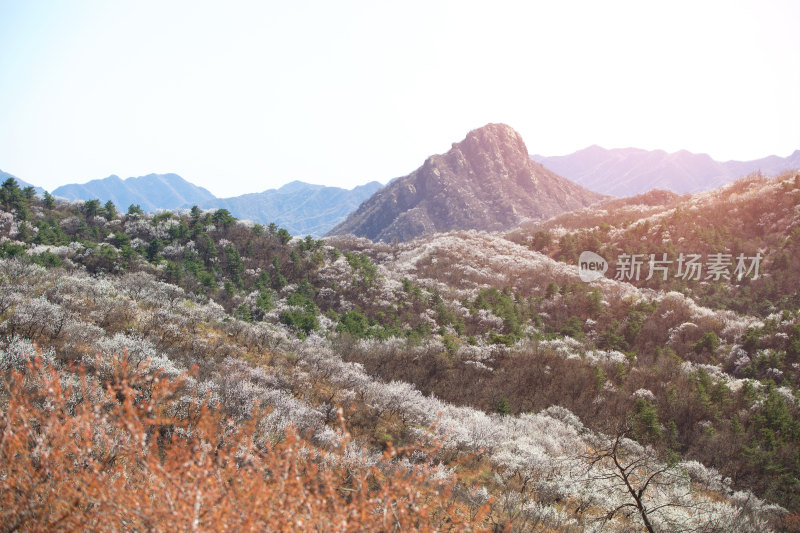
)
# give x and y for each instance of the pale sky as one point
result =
(244, 96)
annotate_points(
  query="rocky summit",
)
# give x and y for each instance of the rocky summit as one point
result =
(485, 182)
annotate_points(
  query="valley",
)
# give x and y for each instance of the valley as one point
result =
(477, 360)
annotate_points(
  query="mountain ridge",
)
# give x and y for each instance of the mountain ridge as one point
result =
(151, 192)
(302, 208)
(630, 171)
(486, 182)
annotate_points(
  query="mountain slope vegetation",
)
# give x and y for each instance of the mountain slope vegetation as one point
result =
(461, 381)
(754, 215)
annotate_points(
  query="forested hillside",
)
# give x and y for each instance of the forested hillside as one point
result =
(156, 366)
(754, 215)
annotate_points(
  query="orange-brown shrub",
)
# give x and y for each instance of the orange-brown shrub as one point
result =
(112, 459)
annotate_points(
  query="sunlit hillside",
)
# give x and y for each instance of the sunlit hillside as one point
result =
(752, 215)
(156, 366)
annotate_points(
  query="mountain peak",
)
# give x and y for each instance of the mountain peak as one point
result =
(297, 185)
(498, 138)
(593, 149)
(486, 182)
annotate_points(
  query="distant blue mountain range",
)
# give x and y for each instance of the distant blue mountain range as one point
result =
(151, 192)
(301, 208)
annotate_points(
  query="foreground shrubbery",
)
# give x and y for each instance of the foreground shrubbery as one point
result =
(75, 456)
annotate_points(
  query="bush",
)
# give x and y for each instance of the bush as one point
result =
(132, 467)
(709, 342)
(303, 317)
(354, 323)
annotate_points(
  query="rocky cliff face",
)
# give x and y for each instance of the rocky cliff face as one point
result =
(486, 182)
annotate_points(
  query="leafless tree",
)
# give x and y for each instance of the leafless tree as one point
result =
(650, 484)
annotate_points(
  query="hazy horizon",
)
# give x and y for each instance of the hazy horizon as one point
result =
(383, 182)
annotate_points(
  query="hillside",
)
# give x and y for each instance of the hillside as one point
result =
(463, 369)
(753, 215)
(485, 182)
(630, 171)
